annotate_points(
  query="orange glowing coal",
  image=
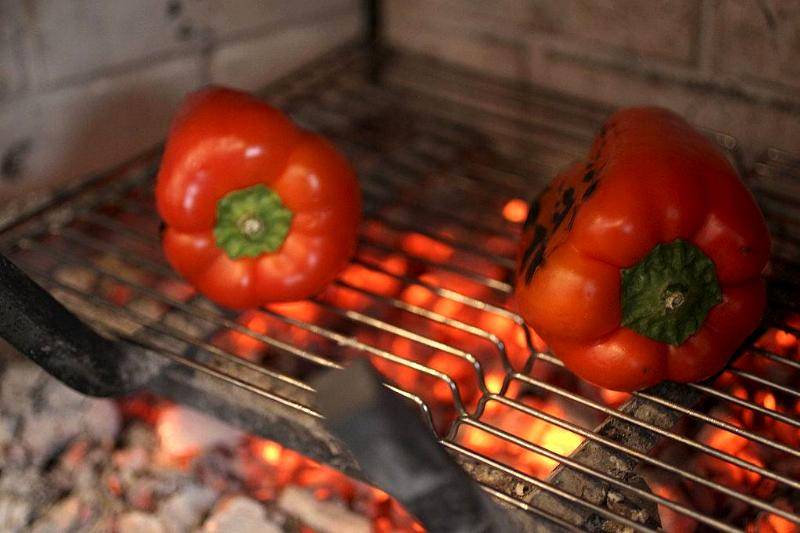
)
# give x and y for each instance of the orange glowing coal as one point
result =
(673, 521)
(552, 438)
(772, 523)
(372, 280)
(285, 467)
(369, 279)
(246, 345)
(304, 311)
(785, 339)
(613, 398)
(727, 473)
(426, 247)
(184, 433)
(530, 429)
(515, 210)
(267, 466)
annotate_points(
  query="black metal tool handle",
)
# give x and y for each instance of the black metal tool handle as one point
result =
(41, 328)
(401, 456)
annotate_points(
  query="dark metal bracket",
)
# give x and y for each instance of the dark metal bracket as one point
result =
(41, 328)
(399, 454)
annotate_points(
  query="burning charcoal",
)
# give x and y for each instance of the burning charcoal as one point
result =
(136, 522)
(140, 495)
(19, 380)
(672, 520)
(61, 415)
(131, 459)
(326, 517)
(74, 276)
(87, 477)
(8, 426)
(149, 308)
(63, 516)
(182, 511)
(44, 435)
(185, 432)
(140, 435)
(101, 420)
(14, 513)
(22, 481)
(95, 314)
(243, 515)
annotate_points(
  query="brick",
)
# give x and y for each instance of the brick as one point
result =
(479, 52)
(759, 41)
(88, 128)
(505, 19)
(81, 37)
(19, 127)
(13, 76)
(754, 122)
(76, 37)
(252, 63)
(228, 18)
(664, 30)
(654, 31)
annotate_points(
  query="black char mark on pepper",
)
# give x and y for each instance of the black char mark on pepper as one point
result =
(572, 219)
(566, 206)
(533, 213)
(590, 190)
(537, 241)
(535, 262)
(567, 201)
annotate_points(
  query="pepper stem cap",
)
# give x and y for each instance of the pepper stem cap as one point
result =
(251, 222)
(668, 294)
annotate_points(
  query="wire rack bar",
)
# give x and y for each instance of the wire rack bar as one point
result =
(491, 142)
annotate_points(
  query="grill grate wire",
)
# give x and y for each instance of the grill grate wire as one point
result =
(487, 140)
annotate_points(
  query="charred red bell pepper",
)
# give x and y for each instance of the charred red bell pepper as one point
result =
(644, 262)
(256, 209)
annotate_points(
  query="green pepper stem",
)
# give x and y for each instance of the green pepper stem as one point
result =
(668, 294)
(674, 299)
(251, 222)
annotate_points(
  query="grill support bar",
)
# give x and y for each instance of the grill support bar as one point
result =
(40, 327)
(395, 450)
(202, 375)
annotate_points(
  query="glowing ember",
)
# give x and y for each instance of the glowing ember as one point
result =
(515, 210)
(271, 452)
(613, 398)
(426, 247)
(288, 468)
(417, 295)
(671, 520)
(531, 429)
(552, 438)
(246, 345)
(494, 381)
(303, 310)
(772, 523)
(767, 399)
(372, 280)
(785, 340)
(184, 432)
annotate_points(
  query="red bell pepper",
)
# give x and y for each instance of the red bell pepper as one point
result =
(643, 263)
(256, 209)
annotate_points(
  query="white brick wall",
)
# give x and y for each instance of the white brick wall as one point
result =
(252, 63)
(12, 68)
(726, 64)
(85, 84)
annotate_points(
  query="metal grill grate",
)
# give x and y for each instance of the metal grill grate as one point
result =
(441, 153)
